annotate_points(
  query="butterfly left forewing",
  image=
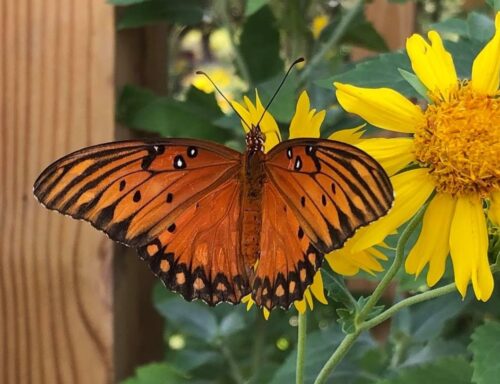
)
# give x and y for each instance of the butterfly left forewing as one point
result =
(332, 187)
(132, 190)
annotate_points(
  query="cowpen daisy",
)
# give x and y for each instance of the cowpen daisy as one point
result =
(451, 159)
(306, 122)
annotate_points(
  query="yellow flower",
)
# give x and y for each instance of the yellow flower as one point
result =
(306, 122)
(455, 152)
(318, 24)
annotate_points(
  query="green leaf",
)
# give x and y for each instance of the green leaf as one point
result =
(430, 317)
(485, 347)
(156, 373)
(481, 27)
(415, 82)
(150, 12)
(231, 324)
(452, 26)
(141, 109)
(337, 290)
(495, 4)
(195, 319)
(253, 6)
(319, 346)
(435, 349)
(448, 370)
(260, 46)
(362, 34)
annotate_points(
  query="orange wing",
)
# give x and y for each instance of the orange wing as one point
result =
(134, 190)
(333, 188)
(199, 254)
(288, 261)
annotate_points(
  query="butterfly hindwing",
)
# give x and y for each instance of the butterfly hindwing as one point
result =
(332, 187)
(198, 254)
(288, 260)
(133, 190)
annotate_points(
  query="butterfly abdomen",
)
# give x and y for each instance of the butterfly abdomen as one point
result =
(253, 178)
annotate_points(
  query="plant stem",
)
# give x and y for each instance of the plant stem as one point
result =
(394, 268)
(233, 366)
(337, 356)
(227, 23)
(332, 41)
(301, 347)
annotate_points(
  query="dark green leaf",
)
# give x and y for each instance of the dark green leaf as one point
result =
(231, 323)
(481, 27)
(141, 109)
(430, 317)
(495, 4)
(187, 12)
(363, 34)
(194, 319)
(253, 6)
(452, 26)
(449, 370)
(485, 347)
(337, 290)
(260, 46)
(433, 350)
(319, 346)
(157, 373)
(415, 82)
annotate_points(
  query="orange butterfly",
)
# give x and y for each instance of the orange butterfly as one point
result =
(217, 224)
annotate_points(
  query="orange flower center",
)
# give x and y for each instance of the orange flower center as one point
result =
(460, 142)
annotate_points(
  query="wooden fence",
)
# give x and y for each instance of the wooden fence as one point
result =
(69, 311)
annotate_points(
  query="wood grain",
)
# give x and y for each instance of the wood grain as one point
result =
(56, 95)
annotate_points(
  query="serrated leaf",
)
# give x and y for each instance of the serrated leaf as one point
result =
(337, 290)
(449, 370)
(150, 12)
(260, 46)
(481, 27)
(485, 347)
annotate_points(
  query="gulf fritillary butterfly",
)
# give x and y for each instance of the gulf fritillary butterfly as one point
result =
(216, 224)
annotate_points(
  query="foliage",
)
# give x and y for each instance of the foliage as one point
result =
(444, 340)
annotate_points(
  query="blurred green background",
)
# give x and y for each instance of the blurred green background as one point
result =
(248, 45)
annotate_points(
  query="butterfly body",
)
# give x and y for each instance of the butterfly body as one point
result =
(215, 224)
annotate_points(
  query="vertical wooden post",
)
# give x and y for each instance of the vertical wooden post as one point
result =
(395, 22)
(56, 95)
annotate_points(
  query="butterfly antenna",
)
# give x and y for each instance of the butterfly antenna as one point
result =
(299, 60)
(223, 96)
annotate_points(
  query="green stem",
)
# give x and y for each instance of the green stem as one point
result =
(394, 268)
(301, 347)
(233, 366)
(221, 6)
(337, 356)
(332, 41)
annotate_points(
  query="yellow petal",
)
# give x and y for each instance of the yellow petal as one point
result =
(300, 305)
(432, 64)
(432, 245)
(305, 122)
(266, 313)
(494, 210)
(346, 263)
(350, 136)
(393, 154)
(486, 67)
(318, 289)
(340, 262)
(411, 189)
(382, 107)
(469, 248)
(245, 115)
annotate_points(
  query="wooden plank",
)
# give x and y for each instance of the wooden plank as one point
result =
(395, 22)
(56, 95)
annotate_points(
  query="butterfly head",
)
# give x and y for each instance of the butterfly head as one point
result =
(255, 139)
